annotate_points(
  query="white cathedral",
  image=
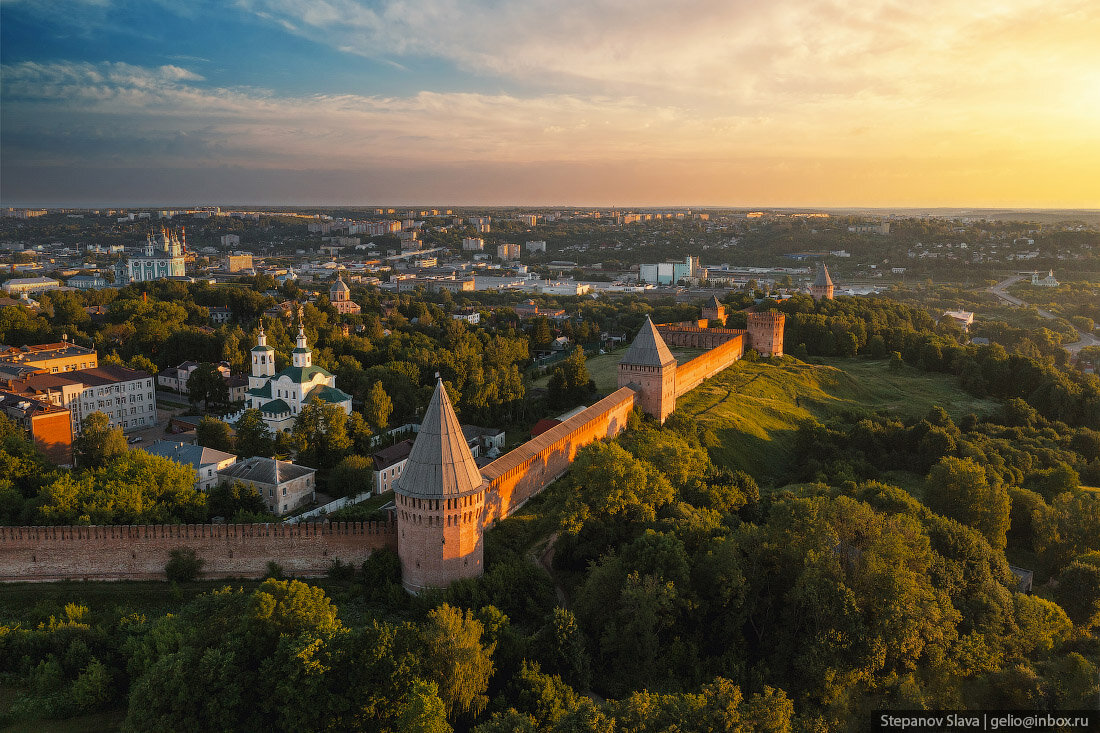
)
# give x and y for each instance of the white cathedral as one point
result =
(280, 397)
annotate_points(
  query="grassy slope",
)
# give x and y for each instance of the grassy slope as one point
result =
(755, 408)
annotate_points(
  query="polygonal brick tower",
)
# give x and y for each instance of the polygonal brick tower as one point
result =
(440, 499)
(766, 332)
(649, 368)
(822, 289)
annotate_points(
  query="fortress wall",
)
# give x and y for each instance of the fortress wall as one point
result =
(697, 338)
(517, 476)
(691, 375)
(140, 552)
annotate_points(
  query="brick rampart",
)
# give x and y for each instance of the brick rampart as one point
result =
(676, 334)
(517, 476)
(140, 552)
(690, 375)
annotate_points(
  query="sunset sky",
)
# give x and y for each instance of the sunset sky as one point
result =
(581, 102)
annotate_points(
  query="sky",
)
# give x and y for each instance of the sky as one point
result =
(804, 103)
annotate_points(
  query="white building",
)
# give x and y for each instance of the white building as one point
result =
(473, 244)
(19, 285)
(206, 462)
(536, 246)
(280, 397)
(1046, 282)
(161, 257)
(230, 240)
(87, 282)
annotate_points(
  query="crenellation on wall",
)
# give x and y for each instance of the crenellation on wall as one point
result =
(228, 550)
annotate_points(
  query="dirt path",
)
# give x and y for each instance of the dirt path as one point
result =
(545, 560)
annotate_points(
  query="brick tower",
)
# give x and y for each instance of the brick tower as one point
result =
(766, 332)
(440, 500)
(714, 311)
(822, 289)
(649, 368)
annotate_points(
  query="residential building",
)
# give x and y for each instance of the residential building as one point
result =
(239, 261)
(126, 396)
(63, 356)
(87, 282)
(964, 318)
(508, 251)
(528, 219)
(49, 426)
(670, 273)
(284, 486)
(435, 284)
(529, 309)
(536, 246)
(220, 314)
(473, 244)
(206, 462)
(161, 257)
(232, 240)
(20, 285)
(175, 378)
(389, 463)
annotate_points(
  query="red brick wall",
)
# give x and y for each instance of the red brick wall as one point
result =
(696, 338)
(690, 375)
(229, 550)
(517, 476)
(53, 434)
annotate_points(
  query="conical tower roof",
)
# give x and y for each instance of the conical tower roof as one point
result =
(440, 464)
(648, 348)
(823, 280)
(715, 303)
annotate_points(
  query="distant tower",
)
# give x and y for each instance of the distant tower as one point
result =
(339, 292)
(715, 311)
(440, 499)
(766, 332)
(650, 368)
(263, 361)
(822, 289)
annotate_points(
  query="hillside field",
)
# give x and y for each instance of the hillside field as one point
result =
(755, 407)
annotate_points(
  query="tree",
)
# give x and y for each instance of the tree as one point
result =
(353, 475)
(959, 488)
(207, 384)
(98, 442)
(378, 407)
(1078, 593)
(214, 433)
(570, 383)
(422, 710)
(360, 433)
(254, 438)
(540, 335)
(320, 434)
(454, 658)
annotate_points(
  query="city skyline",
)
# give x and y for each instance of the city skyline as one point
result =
(977, 104)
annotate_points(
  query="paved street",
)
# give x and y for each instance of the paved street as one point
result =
(1083, 339)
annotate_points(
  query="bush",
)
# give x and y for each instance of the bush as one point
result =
(183, 565)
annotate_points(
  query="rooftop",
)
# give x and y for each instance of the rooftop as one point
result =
(440, 463)
(265, 471)
(193, 455)
(648, 348)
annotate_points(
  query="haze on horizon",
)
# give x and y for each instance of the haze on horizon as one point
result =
(950, 103)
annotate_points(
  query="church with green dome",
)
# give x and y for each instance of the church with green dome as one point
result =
(280, 397)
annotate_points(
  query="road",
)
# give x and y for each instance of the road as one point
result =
(1083, 339)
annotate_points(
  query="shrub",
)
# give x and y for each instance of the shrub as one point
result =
(183, 565)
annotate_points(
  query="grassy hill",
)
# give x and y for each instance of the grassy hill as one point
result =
(756, 407)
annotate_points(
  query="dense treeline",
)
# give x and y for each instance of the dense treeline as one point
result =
(878, 327)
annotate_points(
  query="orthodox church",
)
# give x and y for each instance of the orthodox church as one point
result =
(340, 297)
(162, 256)
(280, 397)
